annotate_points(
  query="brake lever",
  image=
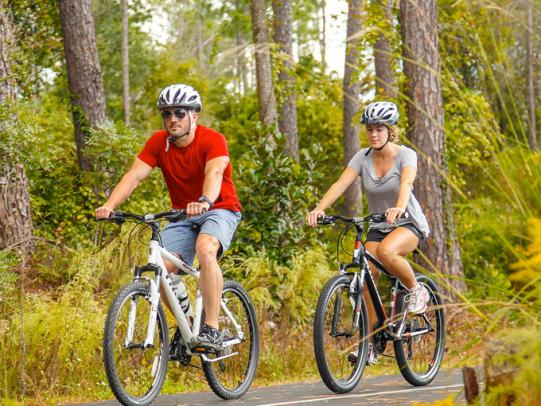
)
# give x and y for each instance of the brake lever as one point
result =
(117, 218)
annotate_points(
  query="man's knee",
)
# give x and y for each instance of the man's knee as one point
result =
(207, 248)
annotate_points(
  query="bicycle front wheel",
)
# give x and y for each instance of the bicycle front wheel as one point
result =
(135, 373)
(230, 377)
(340, 348)
(420, 351)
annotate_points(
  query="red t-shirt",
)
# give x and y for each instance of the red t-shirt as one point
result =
(184, 168)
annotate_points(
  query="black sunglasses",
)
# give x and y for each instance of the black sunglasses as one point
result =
(180, 114)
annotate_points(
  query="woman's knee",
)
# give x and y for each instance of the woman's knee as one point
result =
(386, 253)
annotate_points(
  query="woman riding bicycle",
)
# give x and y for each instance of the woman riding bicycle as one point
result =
(387, 171)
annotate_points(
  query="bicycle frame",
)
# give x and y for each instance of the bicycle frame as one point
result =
(362, 278)
(162, 279)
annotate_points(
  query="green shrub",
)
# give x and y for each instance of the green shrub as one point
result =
(283, 293)
(276, 193)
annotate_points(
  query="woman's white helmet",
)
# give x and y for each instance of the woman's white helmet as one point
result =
(180, 95)
(380, 113)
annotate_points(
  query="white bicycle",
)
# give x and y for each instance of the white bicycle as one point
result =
(136, 339)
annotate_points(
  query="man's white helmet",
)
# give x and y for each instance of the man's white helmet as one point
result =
(180, 95)
(380, 113)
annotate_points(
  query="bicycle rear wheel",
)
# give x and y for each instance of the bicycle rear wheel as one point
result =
(419, 357)
(135, 374)
(231, 377)
(335, 337)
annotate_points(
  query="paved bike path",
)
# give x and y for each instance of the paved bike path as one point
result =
(376, 390)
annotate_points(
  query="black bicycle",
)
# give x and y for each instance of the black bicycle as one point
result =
(341, 333)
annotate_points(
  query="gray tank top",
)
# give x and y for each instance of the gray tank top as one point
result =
(382, 193)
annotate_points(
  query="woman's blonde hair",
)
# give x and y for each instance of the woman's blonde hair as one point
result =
(394, 132)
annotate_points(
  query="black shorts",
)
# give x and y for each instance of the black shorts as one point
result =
(378, 236)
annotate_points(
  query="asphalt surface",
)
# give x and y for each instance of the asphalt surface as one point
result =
(377, 390)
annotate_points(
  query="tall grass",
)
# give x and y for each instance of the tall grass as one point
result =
(63, 329)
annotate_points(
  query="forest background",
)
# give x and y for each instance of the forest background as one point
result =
(72, 124)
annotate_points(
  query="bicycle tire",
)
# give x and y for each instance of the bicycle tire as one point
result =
(419, 358)
(123, 365)
(337, 371)
(231, 377)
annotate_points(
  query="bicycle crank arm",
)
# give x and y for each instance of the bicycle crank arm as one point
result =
(207, 359)
(416, 333)
(229, 343)
(341, 334)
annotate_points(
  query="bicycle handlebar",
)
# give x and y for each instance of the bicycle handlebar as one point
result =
(120, 217)
(375, 218)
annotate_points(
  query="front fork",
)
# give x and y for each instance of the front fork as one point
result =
(154, 303)
(356, 290)
(151, 328)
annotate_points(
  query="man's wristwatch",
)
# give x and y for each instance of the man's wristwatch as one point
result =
(205, 199)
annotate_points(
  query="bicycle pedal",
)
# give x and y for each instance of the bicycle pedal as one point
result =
(200, 349)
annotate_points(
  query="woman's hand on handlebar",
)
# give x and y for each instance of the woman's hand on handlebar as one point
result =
(311, 217)
(394, 213)
(103, 212)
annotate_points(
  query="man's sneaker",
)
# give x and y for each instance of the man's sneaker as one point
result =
(371, 359)
(417, 299)
(209, 337)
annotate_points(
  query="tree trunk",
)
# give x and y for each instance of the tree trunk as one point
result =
(199, 34)
(287, 119)
(16, 220)
(385, 82)
(267, 102)
(7, 43)
(84, 73)
(323, 37)
(242, 70)
(425, 115)
(15, 215)
(352, 89)
(125, 64)
(238, 61)
(530, 78)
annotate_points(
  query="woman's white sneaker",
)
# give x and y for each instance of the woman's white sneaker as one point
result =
(418, 299)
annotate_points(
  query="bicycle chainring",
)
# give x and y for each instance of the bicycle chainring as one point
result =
(380, 342)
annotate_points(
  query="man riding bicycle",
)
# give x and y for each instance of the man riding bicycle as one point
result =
(195, 164)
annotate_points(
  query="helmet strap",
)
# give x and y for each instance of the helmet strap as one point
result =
(173, 138)
(383, 146)
(386, 142)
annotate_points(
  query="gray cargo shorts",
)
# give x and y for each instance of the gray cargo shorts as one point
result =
(180, 237)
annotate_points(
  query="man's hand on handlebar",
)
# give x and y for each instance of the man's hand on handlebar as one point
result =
(311, 217)
(197, 208)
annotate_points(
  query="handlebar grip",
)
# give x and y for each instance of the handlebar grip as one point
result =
(326, 220)
(177, 216)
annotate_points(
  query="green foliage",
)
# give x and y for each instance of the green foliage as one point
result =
(285, 293)
(471, 134)
(62, 338)
(141, 49)
(276, 193)
(39, 43)
(482, 49)
(493, 224)
(517, 364)
(528, 271)
(8, 286)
